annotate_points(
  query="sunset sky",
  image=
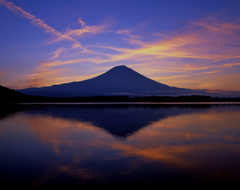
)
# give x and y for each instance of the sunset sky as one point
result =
(183, 43)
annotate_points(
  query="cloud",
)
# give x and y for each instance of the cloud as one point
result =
(187, 75)
(213, 25)
(81, 22)
(86, 29)
(51, 76)
(68, 35)
(70, 61)
(190, 43)
(2, 73)
(58, 52)
(128, 33)
(44, 77)
(132, 39)
(39, 23)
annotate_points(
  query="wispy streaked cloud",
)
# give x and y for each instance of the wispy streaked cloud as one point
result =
(86, 29)
(70, 61)
(39, 23)
(213, 25)
(178, 76)
(42, 77)
(127, 32)
(48, 77)
(58, 52)
(195, 44)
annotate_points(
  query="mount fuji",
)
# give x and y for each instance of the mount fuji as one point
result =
(118, 81)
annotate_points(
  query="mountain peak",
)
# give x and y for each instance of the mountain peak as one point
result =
(120, 67)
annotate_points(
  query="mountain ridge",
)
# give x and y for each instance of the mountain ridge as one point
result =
(120, 80)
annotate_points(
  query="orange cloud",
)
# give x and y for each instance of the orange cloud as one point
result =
(224, 82)
(181, 47)
(215, 82)
(198, 44)
(178, 76)
(48, 77)
(43, 77)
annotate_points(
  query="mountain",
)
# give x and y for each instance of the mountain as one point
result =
(119, 80)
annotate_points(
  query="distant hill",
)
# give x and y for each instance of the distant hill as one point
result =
(118, 81)
(9, 95)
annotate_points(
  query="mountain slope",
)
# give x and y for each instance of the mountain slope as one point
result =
(119, 80)
(9, 95)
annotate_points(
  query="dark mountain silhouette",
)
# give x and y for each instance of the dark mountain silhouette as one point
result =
(9, 95)
(119, 80)
(6, 92)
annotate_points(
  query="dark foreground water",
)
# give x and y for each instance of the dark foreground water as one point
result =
(119, 146)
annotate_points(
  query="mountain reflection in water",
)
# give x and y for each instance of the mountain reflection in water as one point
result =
(89, 146)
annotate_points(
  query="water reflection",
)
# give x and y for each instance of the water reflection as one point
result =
(45, 146)
(119, 120)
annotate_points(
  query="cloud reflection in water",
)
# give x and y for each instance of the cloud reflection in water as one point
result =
(158, 144)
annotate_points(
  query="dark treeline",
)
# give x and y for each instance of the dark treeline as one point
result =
(193, 98)
(11, 96)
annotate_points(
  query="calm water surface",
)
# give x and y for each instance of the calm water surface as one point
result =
(119, 146)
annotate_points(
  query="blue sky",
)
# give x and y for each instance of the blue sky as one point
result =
(182, 43)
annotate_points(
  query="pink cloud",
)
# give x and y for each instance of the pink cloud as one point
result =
(2, 73)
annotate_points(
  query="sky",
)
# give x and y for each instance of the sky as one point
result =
(182, 43)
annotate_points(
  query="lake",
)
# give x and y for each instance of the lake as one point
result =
(117, 146)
